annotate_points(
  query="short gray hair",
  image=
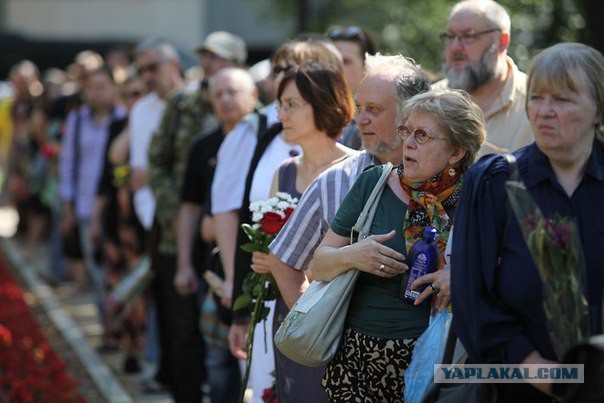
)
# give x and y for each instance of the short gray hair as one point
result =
(237, 73)
(410, 79)
(457, 115)
(166, 50)
(489, 9)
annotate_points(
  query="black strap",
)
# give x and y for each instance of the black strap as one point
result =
(243, 260)
(76, 152)
(262, 125)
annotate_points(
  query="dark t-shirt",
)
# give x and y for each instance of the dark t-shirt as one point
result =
(376, 309)
(196, 189)
(200, 168)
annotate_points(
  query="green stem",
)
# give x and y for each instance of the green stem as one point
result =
(250, 335)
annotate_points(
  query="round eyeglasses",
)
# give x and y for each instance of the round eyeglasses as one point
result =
(420, 135)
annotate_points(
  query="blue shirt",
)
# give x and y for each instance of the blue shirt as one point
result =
(92, 144)
(497, 307)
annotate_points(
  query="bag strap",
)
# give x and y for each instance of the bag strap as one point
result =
(363, 224)
(76, 152)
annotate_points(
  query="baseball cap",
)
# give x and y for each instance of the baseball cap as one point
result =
(226, 45)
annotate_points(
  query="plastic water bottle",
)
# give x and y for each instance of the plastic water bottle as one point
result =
(423, 258)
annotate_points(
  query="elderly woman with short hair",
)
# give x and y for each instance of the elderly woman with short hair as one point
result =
(498, 294)
(442, 132)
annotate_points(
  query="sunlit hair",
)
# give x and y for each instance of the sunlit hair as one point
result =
(492, 11)
(461, 120)
(564, 67)
(238, 74)
(166, 50)
(324, 87)
(294, 53)
(409, 78)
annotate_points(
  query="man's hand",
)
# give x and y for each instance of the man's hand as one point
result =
(237, 340)
(227, 293)
(185, 281)
(138, 179)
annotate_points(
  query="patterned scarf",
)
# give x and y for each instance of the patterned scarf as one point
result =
(427, 203)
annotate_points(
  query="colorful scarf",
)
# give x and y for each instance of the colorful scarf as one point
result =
(427, 203)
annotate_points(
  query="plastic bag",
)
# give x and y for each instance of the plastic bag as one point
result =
(428, 350)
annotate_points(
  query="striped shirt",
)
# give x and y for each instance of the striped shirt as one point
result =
(296, 242)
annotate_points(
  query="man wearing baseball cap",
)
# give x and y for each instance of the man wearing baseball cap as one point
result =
(220, 48)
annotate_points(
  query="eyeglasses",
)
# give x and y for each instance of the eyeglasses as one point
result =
(420, 135)
(281, 69)
(289, 106)
(467, 38)
(151, 68)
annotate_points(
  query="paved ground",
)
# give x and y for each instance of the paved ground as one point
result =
(71, 316)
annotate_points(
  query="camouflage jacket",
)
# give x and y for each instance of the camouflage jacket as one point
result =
(186, 117)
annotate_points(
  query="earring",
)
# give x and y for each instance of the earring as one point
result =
(451, 171)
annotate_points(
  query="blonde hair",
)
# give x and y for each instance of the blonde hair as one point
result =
(563, 67)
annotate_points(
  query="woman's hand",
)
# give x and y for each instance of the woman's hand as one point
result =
(371, 256)
(260, 263)
(439, 286)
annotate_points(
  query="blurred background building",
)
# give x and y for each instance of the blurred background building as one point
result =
(51, 32)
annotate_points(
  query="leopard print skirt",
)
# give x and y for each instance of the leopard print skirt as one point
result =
(368, 369)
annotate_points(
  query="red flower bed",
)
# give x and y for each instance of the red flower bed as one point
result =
(30, 371)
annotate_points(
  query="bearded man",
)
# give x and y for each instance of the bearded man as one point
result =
(476, 60)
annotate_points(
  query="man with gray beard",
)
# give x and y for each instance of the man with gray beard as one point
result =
(476, 60)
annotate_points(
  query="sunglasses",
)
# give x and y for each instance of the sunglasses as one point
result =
(345, 33)
(150, 67)
(281, 69)
(133, 94)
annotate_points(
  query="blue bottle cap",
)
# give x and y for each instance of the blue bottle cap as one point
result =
(429, 233)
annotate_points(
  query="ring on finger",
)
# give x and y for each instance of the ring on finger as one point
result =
(382, 267)
(435, 289)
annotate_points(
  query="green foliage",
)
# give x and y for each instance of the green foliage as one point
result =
(411, 27)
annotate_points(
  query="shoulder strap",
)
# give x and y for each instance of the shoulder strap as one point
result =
(262, 124)
(76, 151)
(363, 224)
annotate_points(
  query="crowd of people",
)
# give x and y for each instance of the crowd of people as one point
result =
(127, 162)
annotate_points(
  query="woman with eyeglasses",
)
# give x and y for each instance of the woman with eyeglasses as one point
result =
(314, 105)
(442, 132)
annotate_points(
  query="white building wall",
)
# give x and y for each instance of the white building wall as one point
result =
(177, 20)
(185, 22)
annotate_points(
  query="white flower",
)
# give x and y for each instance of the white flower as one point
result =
(283, 205)
(257, 216)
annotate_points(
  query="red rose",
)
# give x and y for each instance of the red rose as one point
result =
(272, 223)
(288, 212)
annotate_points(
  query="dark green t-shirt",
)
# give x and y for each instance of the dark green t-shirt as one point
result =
(376, 309)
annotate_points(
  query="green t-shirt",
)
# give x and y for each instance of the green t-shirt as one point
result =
(376, 309)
